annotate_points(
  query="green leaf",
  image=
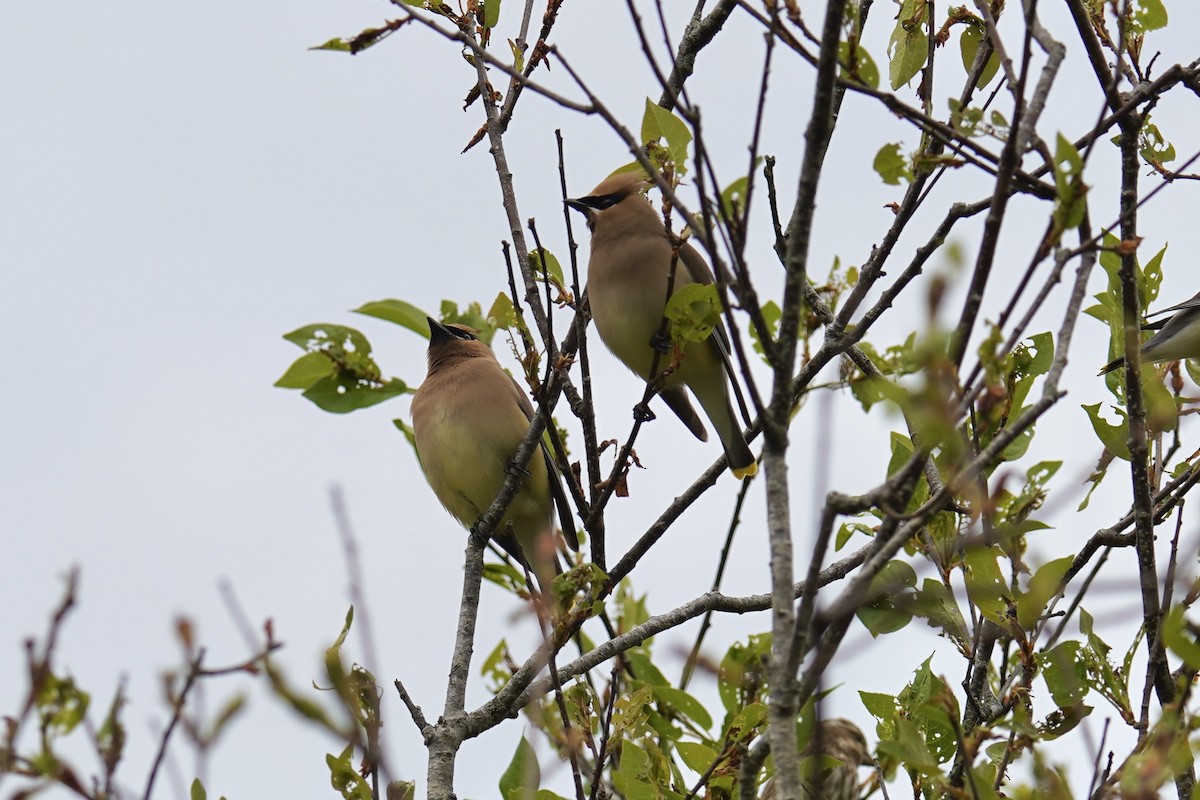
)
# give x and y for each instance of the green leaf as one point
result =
(402, 790)
(697, 757)
(504, 313)
(863, 69)
(336, 44)
(232, 708)
(660, 124)
(355, 381)
(890, 598)
(399, 312)
(632, 775)
(632, 712)
(685, 704)
(908, 46)
(1182, 642)
(881, 706)
(1115, 438)
(506, 576)
(1152, 275)
(1161, 412)
(1110, 682)
(341, 639)
(733, 197)
(902, 451)
(972, 37)
(409, 434)
(523, 775)
(1068, 179)
(307, 370)
(985, 583)
(964, 119)
(343, 394)
(545, 263)
(344, 777)
(1153, 146)
(909, 748)
(495, 668)
(491, 13)
(1018, 446)
(936, 605)
(664, 729)
(473, 317)
(518, 56)
(1042, 586)
(110, 738)
(1150, 15)
(1065, 673)
(848, 529)
(932, 707)
(644, 670)
(892, 165)
(771, 315)
(631, 610)
(197, 791)
(324, 337)
(693, 310)
(742, 672)
(61, 704)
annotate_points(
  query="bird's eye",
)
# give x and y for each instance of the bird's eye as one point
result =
(603, 201)
(463, 334)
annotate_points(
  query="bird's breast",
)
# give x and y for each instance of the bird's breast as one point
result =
(627, 289)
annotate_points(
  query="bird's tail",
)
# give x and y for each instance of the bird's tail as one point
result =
(741, 461)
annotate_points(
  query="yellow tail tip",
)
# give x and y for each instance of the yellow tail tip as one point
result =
(741, 473)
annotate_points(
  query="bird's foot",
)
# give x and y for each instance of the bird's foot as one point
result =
(477, 533)
(642, 413)
(516, 469)
(661, 341)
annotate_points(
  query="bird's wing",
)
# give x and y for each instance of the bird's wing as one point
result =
(676, 399)
(1191, 302)
(699, 271)
(561, 502)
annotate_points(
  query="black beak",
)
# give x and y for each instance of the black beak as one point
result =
(578, 205)
(437, 331)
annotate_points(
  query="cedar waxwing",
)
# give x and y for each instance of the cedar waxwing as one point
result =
(627, 288)
(468, 419)
(1177, 338)
(840, 739)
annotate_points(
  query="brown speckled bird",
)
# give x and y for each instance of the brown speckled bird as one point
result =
(840, 739)
(628, 270)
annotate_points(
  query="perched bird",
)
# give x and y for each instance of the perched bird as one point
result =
(468, 419)
(840, 739)
(627, 288)
(1178, 337)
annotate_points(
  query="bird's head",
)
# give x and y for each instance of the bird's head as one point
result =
(454, 342)
(616, 196)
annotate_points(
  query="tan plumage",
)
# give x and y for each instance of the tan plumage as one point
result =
(468, 419)
(627, 287)
(835, 738)
(1177, 338)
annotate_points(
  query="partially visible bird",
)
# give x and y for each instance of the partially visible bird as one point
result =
(627, 287)
(468, 418)
(835, 738)
(1178, 337)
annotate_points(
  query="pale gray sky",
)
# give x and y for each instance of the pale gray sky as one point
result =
(182, 184)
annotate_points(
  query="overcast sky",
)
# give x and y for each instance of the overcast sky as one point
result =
(181, 184)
